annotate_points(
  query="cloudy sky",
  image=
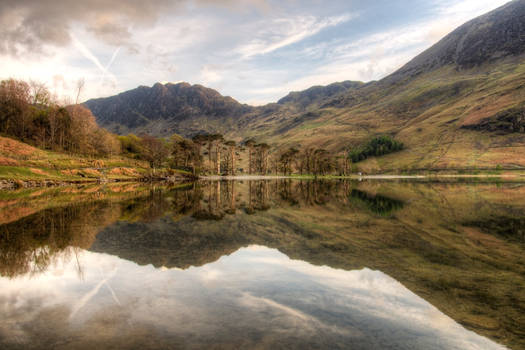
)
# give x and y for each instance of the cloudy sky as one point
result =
(253, 50)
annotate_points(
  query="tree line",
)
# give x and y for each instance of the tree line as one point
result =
(212, 154)
(30, 114)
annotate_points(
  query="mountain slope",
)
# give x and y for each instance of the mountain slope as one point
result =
(317, 94)
(485, 39)
(459, 104)
(165, 109)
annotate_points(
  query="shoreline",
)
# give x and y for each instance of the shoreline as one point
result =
(360, 177)
(13, 184)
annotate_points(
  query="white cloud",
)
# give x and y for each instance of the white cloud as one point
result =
(278, 33)
(210, 74)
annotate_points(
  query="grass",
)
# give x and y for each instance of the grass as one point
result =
(425, 113)
(19, 161)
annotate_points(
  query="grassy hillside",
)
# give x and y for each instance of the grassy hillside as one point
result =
(432, 114)
(22, 162)
(458, 105)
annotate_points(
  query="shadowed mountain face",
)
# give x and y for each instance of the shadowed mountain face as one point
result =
(458, 246)
(486, 39)
(162, 109)
(318, 94)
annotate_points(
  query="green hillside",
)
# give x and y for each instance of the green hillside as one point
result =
(458, 105)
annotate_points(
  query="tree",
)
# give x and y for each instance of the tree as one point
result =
(286, 160)
(131, 145)
(154, 151)
(199, 141)
(39, 93)
(262, 154)
(323, 162)
(216, 140)
(250, 144)
(231, 147)
(80, 86)
(28, 113)
(377, 146)
(15, 100)
(82, 129)
(186, 154)
(104, 143)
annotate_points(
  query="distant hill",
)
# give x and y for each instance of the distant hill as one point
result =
(318, 94)
(165, 109)
(459, 104)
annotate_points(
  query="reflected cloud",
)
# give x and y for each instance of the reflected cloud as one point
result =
(264, 301)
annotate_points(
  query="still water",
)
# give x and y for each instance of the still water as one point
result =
(264, 264)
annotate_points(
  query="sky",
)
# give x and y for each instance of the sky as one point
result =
(253, 50)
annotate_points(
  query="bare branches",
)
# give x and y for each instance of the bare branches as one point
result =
(79, 87)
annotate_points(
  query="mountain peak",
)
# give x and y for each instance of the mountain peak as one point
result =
(158, 108)
(495, 35)
(318, 93)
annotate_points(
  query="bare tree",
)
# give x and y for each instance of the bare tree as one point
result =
(39, 93)
(250, 144)
(231, 147)
(79, 87)
(155, 151)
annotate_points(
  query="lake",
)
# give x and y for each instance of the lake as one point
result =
(277, 264)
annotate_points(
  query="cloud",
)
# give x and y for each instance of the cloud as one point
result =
(28, 26)
(369, 57)
(88, 54)
(286, 31)
(253, 50)
(210, 74)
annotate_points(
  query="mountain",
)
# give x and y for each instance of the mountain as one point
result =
(317, 94)
(485, 39)
(459, 104)
(164, 109)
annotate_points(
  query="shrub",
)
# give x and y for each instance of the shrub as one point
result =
(378, 146)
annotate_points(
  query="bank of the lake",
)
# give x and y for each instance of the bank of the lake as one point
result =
(513, 177)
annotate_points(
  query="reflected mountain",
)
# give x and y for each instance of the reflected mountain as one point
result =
(254, 298)
(458, 246)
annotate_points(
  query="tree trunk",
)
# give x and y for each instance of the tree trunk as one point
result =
(250, 161)
(218, 160)
(233, 160)
(209, 156)
(232, 202)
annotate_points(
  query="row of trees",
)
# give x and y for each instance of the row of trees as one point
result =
(29, 113)
(212, 154)
(315, 161)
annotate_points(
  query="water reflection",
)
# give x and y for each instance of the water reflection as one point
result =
(256, 297)
(457, 246)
